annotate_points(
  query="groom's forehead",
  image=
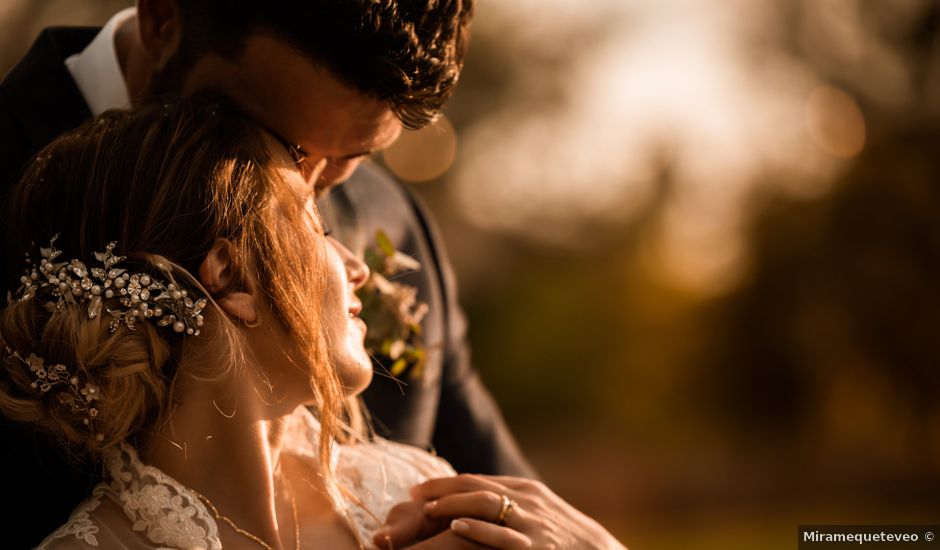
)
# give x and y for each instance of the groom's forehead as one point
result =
(294, 94)
(269, 64)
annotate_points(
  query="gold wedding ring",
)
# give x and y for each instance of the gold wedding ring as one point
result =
(505, 510)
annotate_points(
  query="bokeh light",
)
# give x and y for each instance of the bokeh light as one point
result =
(425, 154)
(835, 122)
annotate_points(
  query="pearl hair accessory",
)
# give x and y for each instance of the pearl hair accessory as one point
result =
(142, 295)
(75, 392)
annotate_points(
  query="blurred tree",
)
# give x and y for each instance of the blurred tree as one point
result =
(836, 330)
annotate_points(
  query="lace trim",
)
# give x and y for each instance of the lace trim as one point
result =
(374, 476)
(378, 475)
(170, 513)
(80, 525)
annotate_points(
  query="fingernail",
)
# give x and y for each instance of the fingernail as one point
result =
(413, 491)
(380, 536)
(460, 526)
(429, 506)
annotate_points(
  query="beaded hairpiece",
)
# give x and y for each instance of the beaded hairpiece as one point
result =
(74, 391)
(142, 296)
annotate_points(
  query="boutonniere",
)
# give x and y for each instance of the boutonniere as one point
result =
(392, 311)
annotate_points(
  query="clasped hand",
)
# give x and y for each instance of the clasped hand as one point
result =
(465, 512)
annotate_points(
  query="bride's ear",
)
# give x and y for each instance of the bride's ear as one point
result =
(220, 275)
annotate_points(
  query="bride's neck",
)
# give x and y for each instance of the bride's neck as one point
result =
(224, 441)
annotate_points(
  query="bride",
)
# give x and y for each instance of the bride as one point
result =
(180, 310)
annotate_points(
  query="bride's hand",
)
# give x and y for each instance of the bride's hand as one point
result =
(470, 505)
(407, 524)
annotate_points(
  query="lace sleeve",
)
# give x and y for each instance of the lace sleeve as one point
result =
(80, 531)
(138, 507)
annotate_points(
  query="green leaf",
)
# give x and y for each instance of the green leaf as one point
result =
(385, 243)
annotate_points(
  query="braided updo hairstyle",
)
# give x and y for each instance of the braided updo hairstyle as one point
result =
(164, 180)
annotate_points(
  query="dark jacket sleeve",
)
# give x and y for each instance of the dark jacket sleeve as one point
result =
(470, 430)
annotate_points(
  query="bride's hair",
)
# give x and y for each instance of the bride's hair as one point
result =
(165, 180)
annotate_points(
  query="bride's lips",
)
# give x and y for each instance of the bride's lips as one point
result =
(356, 320)
(354, 311)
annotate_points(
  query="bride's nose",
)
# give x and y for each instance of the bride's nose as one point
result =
(356, 270)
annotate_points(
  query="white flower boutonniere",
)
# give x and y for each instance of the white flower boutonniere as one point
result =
(392, 311)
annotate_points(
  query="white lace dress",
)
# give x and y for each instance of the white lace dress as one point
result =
(138, 506)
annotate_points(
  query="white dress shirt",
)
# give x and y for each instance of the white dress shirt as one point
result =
(97, 71)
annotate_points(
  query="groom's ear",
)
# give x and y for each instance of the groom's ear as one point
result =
(233, 288)
(159, 24)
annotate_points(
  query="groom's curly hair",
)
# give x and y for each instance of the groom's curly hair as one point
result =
(408, 53)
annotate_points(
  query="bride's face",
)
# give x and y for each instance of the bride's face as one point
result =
(345, 331)
(343, 273)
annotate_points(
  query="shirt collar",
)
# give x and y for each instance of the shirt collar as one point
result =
(97, 71)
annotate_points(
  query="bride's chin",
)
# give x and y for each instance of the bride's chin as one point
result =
(355, 378)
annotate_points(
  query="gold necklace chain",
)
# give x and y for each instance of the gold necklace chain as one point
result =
(246, 534)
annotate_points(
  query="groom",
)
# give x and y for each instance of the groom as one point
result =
(334, 81)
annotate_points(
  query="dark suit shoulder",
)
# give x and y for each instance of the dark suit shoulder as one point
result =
(53, 44)
(381, 201)
(12, 146)
(40, 99)
(375, 192)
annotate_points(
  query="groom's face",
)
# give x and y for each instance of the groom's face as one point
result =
(332, 126)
